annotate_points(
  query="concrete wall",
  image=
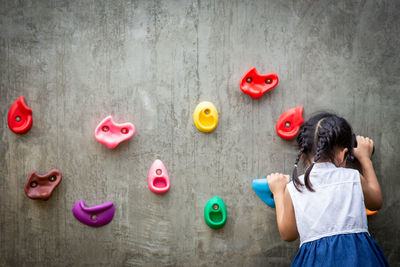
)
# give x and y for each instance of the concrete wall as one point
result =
(151, 62)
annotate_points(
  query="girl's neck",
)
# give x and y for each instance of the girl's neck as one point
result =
(309, 162)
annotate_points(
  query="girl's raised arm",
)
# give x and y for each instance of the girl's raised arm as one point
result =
(285, 216)
(369, 182)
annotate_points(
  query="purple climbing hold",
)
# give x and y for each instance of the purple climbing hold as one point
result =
(94, 216)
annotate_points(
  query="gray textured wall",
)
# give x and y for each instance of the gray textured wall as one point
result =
(151, 62)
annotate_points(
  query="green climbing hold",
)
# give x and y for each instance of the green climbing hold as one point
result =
(215, 213)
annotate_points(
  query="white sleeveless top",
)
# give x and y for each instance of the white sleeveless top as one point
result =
(336, 206)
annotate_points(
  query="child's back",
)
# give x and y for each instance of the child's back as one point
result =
(336, 206)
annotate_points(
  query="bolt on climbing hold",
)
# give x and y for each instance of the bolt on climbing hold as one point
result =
(42, 186)
(255, 84)
(111, 133)
(20, 117)
(215, 213)
(205, 116)
(289, 123)
(158, 179)
(95, 216)
(262, 190)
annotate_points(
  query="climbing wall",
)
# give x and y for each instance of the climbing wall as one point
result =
(151, 63)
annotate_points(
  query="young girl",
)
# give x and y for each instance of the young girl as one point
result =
(326, 205)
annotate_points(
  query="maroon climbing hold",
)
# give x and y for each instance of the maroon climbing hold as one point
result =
(20, 117)
(256, 85)
(42, 186)
(289, 123)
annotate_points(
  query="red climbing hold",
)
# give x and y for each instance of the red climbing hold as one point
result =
(289, 123)
(256, 85)
(20, 117)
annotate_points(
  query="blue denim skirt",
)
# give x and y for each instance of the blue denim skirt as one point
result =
(342, 250)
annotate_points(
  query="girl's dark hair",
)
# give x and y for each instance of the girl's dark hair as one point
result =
(318, 137)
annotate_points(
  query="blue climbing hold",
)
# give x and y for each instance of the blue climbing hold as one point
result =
(262, 190)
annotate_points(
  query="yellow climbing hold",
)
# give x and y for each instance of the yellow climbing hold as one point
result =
(205, 116)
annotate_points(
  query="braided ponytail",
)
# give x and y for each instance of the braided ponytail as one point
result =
(305, 141)
(295, 177)
(321, 148)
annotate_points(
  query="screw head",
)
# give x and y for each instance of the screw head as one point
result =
(124, 130)
(249, 79)
(215, 206)
(94, 217)
(158, 171)
(268, 81)
(52, 178)
(287, 124)
(34, 184)
(18, 118)
(105, 128)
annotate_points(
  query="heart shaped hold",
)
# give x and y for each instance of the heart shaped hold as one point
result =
(205, 116)
(20, 117)
(42, 186)
(94, 216)
(111, 133)
(215, 213)
(256, 85)
(158, 179)
(289, 123)
(262, 190)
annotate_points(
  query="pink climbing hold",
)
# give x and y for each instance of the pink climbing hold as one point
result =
(158, 178)
(111, 133)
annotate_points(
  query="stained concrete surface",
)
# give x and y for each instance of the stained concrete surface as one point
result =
(151, 62)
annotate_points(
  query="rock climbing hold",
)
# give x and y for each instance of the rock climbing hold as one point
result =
(289, 123)
(20, 117)
(94, 216)
(111, 133)
(205, 116)
(158, 179)
(262, 190)
(42, 186)
(256, 85)
(371, 212)
(215, 213)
